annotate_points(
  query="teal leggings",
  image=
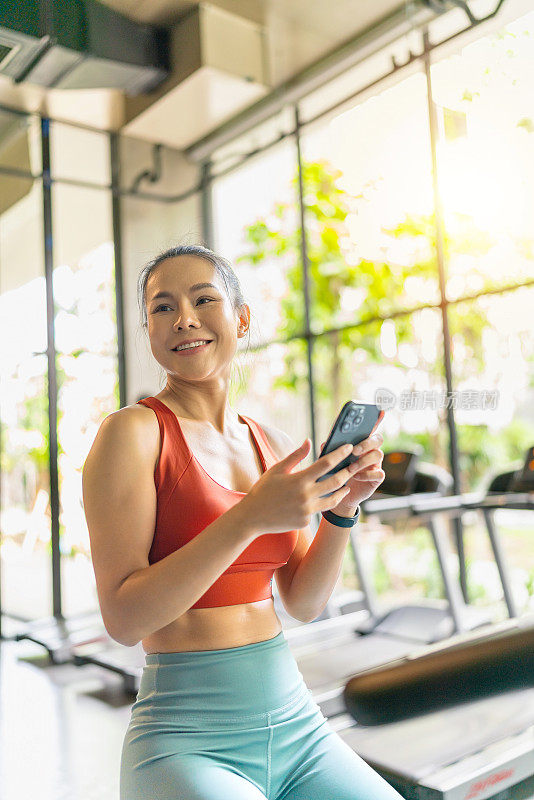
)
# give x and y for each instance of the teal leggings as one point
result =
(237, 724)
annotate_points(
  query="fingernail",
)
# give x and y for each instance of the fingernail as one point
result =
(357, 450)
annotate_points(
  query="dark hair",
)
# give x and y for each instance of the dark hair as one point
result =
(222, 265)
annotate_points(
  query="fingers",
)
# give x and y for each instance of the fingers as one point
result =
(327, 462)
(334, 499)
(368, 467)
(373, 442)
(295, 457)
(373, 458)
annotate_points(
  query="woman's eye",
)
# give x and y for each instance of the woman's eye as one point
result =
(164, 305)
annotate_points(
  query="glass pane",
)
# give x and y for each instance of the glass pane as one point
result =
(86, 344)
(256, 226)
(79, 154)
(493, 365)
(20, 142)
(399, 359)
(89, 392)
(369, 209)
(493, 368)
(485, 108)
(83, 262)
(514, 529)
(402, 360)
(25, 491)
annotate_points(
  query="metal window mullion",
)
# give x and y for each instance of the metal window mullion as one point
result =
(206, 195)
(52, 369)
(306, 285)
(440, 256)
(117, 259)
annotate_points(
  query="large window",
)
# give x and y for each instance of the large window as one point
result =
(25, 512)
(369, 208)
(255, 209)
(485, 107)
(86, 346)
(493, 367)
(363, 307)
(371, 226)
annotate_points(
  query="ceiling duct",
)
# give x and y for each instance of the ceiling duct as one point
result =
(14, 153)
(219, 67)
(80, 44)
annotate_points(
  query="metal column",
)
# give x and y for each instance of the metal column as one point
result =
(52, 374)
(453, 443)
(306, 285)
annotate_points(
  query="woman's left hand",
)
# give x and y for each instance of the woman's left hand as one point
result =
(368, 476)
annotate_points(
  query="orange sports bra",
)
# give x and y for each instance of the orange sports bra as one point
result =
(188, 500)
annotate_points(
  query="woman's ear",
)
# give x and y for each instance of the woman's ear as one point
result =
(244, 319)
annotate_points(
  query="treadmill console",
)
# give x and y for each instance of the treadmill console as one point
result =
(523, 480)
(401, 468)
(520, 479)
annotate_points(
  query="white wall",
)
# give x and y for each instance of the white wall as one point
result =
(148, 227)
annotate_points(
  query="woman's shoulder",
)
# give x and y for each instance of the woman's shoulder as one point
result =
(129, 415)
(135, 417)
(126, 430)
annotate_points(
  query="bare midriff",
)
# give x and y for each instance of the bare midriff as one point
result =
(219, 627)
(216, 628)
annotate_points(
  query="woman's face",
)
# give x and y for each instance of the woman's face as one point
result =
(186, 313)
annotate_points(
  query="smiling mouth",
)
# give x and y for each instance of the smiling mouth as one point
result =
(196, 347)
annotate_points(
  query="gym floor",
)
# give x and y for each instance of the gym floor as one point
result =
(61, 727)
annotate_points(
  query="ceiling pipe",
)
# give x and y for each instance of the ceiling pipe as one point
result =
(358, 49)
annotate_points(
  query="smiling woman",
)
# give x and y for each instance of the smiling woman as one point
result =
(184, 563)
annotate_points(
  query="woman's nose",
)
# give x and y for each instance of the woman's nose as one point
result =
(185, 318)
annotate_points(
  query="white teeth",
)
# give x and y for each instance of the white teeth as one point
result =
(194, 344)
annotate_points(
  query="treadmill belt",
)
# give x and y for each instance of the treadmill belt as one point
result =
(419, 746)
(333, 665)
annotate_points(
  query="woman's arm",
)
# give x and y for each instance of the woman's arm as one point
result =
(119, 499)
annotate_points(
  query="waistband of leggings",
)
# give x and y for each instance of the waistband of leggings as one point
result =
(187, 656)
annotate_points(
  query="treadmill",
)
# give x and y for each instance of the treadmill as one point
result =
(323, 669)
(378, 637)
(418, 490)
(475, 739)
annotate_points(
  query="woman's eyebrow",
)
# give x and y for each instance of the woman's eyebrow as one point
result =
(193, 288)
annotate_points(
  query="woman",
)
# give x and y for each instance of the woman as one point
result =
(191, 510)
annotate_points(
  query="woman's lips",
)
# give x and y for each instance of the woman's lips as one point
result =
(190, 350)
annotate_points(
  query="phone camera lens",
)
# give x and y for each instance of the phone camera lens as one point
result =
(346, 426)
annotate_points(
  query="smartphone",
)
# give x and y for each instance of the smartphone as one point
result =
(354, 423)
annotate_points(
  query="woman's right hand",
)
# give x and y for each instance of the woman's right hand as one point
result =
(282, 500)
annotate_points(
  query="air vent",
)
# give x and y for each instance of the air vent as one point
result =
(219, 67)
(80, 44)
